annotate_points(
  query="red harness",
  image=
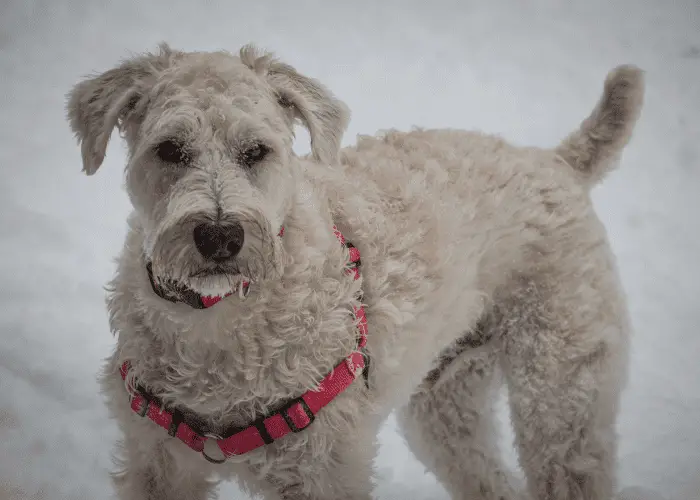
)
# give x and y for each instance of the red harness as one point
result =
(294, 416)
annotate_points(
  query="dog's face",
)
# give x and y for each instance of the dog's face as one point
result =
(211, 171)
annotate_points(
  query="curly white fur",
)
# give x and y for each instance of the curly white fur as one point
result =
(456, 229)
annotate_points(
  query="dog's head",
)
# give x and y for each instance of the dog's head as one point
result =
(211, 171)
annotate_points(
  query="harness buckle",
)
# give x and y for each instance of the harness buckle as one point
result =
(144, 407)
(145, 402)
(285, 414)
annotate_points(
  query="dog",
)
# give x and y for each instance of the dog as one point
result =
(271, 309)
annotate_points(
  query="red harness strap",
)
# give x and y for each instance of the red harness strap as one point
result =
(295, 416)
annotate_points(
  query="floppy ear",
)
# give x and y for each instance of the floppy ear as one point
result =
(325, 116)
(96, 105)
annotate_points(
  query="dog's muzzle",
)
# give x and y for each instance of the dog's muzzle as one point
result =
(174, 291)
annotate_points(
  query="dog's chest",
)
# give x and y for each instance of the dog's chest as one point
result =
(264, 363)
(209, 391)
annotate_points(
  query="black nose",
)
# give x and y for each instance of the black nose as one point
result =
(218, 242)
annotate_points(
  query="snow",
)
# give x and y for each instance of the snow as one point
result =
(530, 73)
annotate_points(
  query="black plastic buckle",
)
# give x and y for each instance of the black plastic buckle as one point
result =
(365, 370)
(175, 423)
(144, 406)
(288, 419)
(145, 396)
(262, 430)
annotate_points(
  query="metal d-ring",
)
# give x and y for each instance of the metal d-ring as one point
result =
(213, 438)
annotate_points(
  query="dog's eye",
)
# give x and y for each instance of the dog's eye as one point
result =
(171, 151)
(254, 154)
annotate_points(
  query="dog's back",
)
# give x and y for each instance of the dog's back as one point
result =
(425, 203)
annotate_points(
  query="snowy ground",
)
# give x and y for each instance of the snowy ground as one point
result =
(529, 74)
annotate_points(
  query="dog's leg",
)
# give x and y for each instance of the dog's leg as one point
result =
(331, 459)
(150, 472)
(150, 464)
(564, 353)
(449, 424)
(342, 474)
(342, 470)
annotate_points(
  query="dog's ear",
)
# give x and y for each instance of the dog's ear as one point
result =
(98, 104)
(325, 116)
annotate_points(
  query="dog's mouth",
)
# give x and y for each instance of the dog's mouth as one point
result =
(232, 271)
(204, 288)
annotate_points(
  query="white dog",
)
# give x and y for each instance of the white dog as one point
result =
(272, 310)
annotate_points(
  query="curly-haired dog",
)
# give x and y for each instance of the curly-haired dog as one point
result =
(249, 333)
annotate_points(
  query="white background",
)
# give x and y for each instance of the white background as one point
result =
(528, 73)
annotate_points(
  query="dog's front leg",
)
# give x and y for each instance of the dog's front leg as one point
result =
(151, 464)
(564, 350)
(333, 461)
(151, 472)
(342, 471)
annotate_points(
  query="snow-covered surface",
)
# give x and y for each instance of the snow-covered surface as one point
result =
(529, 73)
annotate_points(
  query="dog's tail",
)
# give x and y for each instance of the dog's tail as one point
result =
(594, 149)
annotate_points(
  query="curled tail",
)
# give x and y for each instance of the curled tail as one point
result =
(593, 150)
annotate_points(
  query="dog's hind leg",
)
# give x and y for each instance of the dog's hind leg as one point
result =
(449, 422)
(564, 350)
